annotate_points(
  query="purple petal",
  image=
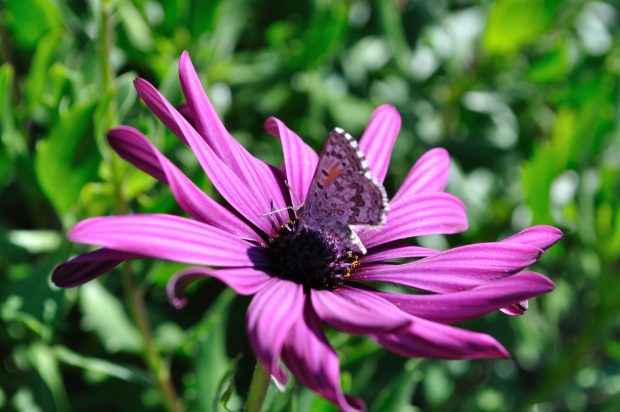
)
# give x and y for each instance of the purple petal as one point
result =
(429, 174)
(393, 251)
(167, 237)
(378, 139)
(472, 303)
(245, 281)
(543, 237)
(86, 267)
(357, 311)
(159, 106)
(309, 356)
(252, 201)
(300, 160)
(186, 111)
(258, 176)
(455, 269)
(421, 214)
(203, 113)
(134, 147)
(427, 339)
(271, 315)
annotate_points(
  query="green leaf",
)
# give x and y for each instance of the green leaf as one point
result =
(513, 24)
(67, 158)
(102, 367)
(135, 26)
(103, 314)
(398, 394)
(42, 358)
(437, 385)
(24, 401)
(125, 94)
(552, 66)
(8, 136)
(322, 38)
(390, 17)
(213, 368)
(537, 177)
(30, 20)
(229, 20)
(36, 241)
(29, 300)
(7, 78)
(39, 77)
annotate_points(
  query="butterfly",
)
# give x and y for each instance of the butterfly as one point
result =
(343, 192)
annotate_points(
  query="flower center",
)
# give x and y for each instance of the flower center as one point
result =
(311, 257)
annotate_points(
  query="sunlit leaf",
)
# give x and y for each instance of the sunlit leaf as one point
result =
(516, 23)
(67, 158)
(101, 366)
(46, 365)
(104, 315)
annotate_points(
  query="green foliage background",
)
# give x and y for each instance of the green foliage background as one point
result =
(523, 93)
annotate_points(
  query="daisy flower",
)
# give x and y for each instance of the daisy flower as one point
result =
(302, 272)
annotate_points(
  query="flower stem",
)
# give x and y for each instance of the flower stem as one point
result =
(258, 389)
(133, 293)
(157, 366)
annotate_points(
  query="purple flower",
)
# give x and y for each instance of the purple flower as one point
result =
(256, 252)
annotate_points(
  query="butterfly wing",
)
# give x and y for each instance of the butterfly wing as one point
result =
(343, 192)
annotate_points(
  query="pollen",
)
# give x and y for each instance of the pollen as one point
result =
(311, 257)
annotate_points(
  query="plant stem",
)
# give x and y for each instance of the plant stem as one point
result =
(258, 389)
(157, 366)
(133, 293)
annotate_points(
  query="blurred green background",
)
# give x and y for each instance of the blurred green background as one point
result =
(523, 93)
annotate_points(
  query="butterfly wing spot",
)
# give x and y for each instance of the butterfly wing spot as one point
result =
(332, 174)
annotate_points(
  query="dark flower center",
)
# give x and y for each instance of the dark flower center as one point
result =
(310, 257)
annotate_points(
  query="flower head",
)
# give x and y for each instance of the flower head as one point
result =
(302, 275)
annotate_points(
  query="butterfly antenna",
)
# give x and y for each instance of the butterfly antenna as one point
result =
(273, 212)
(273, 221)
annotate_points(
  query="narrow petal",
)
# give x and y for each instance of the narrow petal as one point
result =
(421, 214)
(136, 148)
(309, 356)
(203, 113)
(300, 160)
(252, 201)
(472, 303)
(271, 315)
(378, 139)
(427, 339)
(186, 111)
(540, 236)
(159, 106)
(543, 237)
(357, 311)
(86, 267)
(258, 176)
(456, 269)
(393, 251)
(167, 237)
(245, 281)
(429, 174)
